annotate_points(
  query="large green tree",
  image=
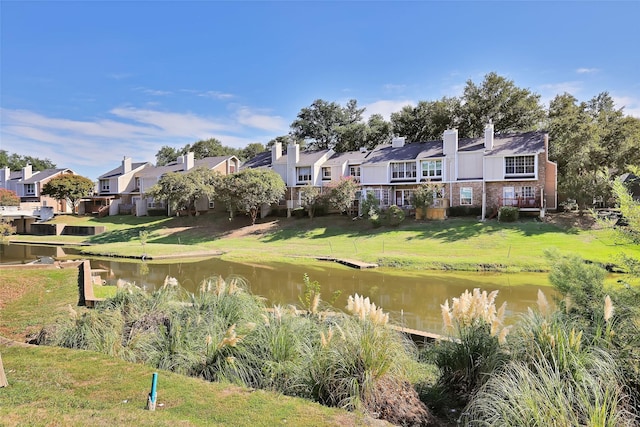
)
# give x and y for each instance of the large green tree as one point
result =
(324, 124)
(69, 187)
(427, 121)
(343, 193)
(498, 99)
(16, 161)
(591, 142)
(252, 150)
(250, 189)
(182, 190)
(204, 148)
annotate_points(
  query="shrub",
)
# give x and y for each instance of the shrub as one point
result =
(464, 211)
(508, 214)
(6, 228)
(370, 205)
(395, 215)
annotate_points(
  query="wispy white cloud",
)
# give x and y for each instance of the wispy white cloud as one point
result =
(92, 146)
(247, 117)
(153, 92)
(395, 88)
(548, 91)
(587, 70)
(385, 107)
(215, 94)
(631, 105)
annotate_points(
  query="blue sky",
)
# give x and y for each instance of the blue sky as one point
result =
(87, 83)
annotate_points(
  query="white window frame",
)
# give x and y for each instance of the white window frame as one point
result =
(326, 173)
(405, 197)
(520, 165)
(403, 170)
(354, 171)
(29, 189)
(463, 198)
(105, 185)
(212, 204)
(432, 169)
(304, 174)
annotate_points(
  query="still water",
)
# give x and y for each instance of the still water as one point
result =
(412, 299)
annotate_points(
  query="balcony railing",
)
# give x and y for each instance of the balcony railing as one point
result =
(521, 202)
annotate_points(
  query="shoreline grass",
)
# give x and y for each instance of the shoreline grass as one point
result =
(454, 244)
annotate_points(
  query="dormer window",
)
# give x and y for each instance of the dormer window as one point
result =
(326, 174)
(29, 189)
(304, 174)
(432, 169)
(354, 172)
(403, 170)
(104, 185)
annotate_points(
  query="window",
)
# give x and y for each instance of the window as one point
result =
(519, 165)
(29, 189)
(404, 170)
(212, 204)
(232, 168)
(152, 204)
(354, 171)
(432, 169)
(527, 192)
(137, 182)
(104, 185)
(403, 197)
(466, 196)
(304, 174)
(381, 194)
(326, 174)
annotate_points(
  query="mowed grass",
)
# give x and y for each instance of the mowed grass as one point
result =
(458, 244)
(59, 387)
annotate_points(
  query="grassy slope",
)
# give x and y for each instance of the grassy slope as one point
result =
(54, 386)
(461, 244)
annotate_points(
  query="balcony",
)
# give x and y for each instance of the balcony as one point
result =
(522, 203)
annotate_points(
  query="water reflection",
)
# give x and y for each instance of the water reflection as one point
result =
(411, 299)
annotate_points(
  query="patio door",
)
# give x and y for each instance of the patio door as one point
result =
(509, 196)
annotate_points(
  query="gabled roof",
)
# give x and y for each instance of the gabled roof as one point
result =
(212, 162)
(160, 170)
(42, 175)
(261, 160)
(352, 157)
(518, 144)
(387, 153)
(120, 170)
(307, 158)
(431, 149)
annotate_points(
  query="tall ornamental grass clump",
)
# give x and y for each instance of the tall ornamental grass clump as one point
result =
(473, 347)
(554, 378)
(222, 333)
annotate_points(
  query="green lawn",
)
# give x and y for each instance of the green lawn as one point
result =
(459, 244)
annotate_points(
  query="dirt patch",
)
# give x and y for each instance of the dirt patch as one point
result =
(568, 220)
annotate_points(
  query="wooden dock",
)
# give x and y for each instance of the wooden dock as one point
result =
(348, 262)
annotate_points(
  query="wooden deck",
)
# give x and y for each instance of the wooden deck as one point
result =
(348, 262)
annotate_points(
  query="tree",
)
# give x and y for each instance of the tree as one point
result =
(427, 121)
(323, 123)
(17, 162)
(182, 190)
(166, 155)
(343, 194)
(591, 141)
(309, 197)
(498, 99)
(9, 198)
(69, 187)
(250, 189)
(209, 148)
(380, 132)
(252, 150)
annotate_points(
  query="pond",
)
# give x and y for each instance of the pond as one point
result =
(412, 298)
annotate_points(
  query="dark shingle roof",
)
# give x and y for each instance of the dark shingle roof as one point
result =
(518, 144)
(261, 160)
(352, 157)
(387, 153)
(211, 162)
(42, 175)
(120, 171)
